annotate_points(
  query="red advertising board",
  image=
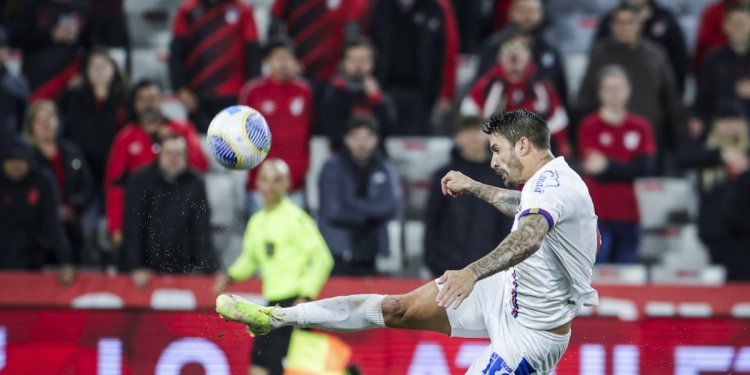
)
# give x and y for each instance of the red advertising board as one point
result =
(104, 325)
(38, 341)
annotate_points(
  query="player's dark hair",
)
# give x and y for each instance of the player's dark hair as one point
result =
(468, 123)
(514, 125)
(363, 121)
(280, 41)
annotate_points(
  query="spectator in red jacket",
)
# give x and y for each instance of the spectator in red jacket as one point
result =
(52, 35)
(355, 91)
(617, 147)
(710, 31)
(285, 100)
(512, 84)
(417, 48)
(136, 146)
(213, 52)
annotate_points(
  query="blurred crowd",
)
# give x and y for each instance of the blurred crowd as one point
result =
(79, 142)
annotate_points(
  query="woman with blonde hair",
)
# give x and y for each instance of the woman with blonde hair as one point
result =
(721, 160)
(66, 164)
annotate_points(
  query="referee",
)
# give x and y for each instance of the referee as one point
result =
(282, 242)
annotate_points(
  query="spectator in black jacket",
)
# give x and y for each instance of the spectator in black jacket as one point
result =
(93, 113)
(725, 74)
(461, 230)
(720, 160)
(417, 47)
(66, 163)
(359, 194)
(52, 34)
(355, 91)
(214, 51)
(662, 28)
(166, 227)
(736, 206)
(14, 94)
(527, 16)
(29, 219)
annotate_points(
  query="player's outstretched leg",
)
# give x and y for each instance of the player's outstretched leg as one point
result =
(415, 310)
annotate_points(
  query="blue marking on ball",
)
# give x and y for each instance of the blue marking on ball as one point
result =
(257, 131)
(222, 151)
(233, 109)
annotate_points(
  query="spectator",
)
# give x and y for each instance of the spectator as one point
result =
(52, 34)
(417, 44)
(464, 223)
(14, 94)
(528, 17)
(29, 220)
(650, 76)
(617, 147)
(725, 77)
(93, 112)
(166, 227)
(66, 163)
(511, 84)
(284, 244)
(355, 91)
(137, 144)
(735, 208)
(720, 160)
(359, 194)
(710, 31)
(285, 100)
(660, 27)
(320, 29)
(214, 51)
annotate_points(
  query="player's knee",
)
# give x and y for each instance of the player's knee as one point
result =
(395, 311)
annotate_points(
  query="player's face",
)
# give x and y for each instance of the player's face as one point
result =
(45, 124)
(173, 158)
(358, 61)
(272, 183)
(283, 64)
(737, 27)
(361, 143)
(614, 91)
(100, 70)
(626, 27)
(527, 14)
(15, 169)
(515, 55)
(505, 162)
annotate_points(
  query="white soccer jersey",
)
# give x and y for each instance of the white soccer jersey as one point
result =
(547, 289)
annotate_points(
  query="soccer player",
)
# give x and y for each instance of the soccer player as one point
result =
(523, 295)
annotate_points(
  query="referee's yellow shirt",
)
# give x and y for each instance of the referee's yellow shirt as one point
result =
(285, 245)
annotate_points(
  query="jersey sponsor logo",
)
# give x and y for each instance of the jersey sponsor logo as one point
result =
(605, 139)
(333, 4)
(296, 106)
(632, 140)
(548, 179)
(232, 15)
(498, 366)
(268, 107)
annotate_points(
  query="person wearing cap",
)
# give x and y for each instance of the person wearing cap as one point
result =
(285, 100)
(30, 222)
(284, 244)
(14, 94)
(721, 159)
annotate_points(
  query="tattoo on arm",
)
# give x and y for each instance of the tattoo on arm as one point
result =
(515, 248)
(505, 200)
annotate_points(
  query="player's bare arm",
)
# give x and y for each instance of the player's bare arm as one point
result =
(506, 201)
(517, 246)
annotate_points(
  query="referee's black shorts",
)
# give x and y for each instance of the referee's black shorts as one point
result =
(269, 350)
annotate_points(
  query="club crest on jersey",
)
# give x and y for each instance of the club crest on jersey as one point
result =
(548, 179)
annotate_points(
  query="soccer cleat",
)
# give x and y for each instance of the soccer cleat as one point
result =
(237, 309)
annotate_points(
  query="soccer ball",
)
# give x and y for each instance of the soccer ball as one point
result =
(239, 138)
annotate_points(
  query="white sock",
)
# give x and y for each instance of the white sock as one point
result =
(347, 313)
